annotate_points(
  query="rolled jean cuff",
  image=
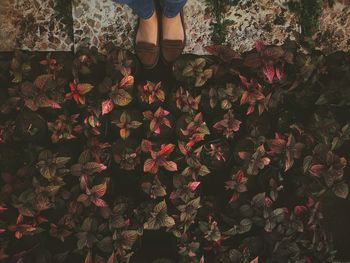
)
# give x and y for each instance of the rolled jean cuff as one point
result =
(145, 14)
(143, 9)
(172, 9)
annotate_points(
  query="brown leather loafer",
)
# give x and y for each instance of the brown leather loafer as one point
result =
(148, 53)
(172, 49)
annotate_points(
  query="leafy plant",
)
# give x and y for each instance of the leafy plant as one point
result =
(120, 93)
(253, 95)
(158, 120)
(127, 156)
(328, 167)
(51, 64)
(159, 218)
(196, 70)
(271, 59)
(158, 158)
(220, 189)
(122, 61)
(196, 129)
(224, 96)
(77, 91)
(125, 124)
(152, 92)
(49, 164)
(256, 161)
(20, 66)
(289, 147)
(228, 125)
(238, 184)
(185, 101)
(154, 189)
(63, 127)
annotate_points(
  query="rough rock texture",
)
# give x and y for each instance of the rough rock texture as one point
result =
(97, 22)
(334, 28)
(32, 25)
(267, 20)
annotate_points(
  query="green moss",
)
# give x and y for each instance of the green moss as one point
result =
(63, 10)
(309, 12)
(220, 27)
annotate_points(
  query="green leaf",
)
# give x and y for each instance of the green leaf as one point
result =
(135, 124)
(188, 71)
(129, 238)
(84, 88)
(245, 225)
(48, 172)
(105, 245)
(168, 221)
(200, 62)
(203, 171)
(41, 80)
(61, 161)
(122, 98)
(341, 190)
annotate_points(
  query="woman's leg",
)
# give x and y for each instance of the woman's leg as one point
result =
(172, 24)
(143, 8)
(173, 32)
(148, 24)
(146, 41)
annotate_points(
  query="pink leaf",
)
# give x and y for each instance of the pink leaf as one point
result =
(107, 106)
(193, 185)
(317, 169)
(279, 72)
(299, 209)
(259, 46)
(269, 72)
(250, 109)
(157, 131)
(244, 155)
(100, 202)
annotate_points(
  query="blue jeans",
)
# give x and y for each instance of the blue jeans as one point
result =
(145, 8)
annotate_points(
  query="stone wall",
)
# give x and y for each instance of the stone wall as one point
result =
(33, 25)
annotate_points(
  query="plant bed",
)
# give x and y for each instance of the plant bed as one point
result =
(221, 158)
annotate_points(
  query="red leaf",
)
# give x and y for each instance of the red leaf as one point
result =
(126, 82)
(279, 72)
(166, 149)
(146, 145)
(150, 166)
(250, 109)
(84, 88)
(3, 209)
(317, 169)
(252, 60)
(244, 155)
(299, 209)
(259, 46)
(170, 166)
(276, 145)
(82, 198)
(273, 53)
(99, 190)
(193, 185)
(100, 202)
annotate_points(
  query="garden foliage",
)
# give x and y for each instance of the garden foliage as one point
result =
(234, 156)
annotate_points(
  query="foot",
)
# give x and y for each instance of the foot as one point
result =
(172, 28)
(148, 30)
